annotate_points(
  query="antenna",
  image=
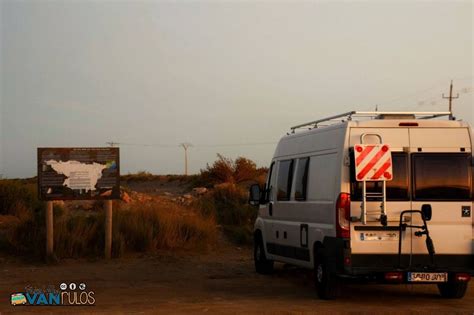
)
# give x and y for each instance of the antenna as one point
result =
(450, 98)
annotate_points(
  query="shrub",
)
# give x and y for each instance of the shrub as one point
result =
(157, 225)
(167, 227)
(14, 193)
(231, 205)
(225, 170)
(228, 203)
(163, 225)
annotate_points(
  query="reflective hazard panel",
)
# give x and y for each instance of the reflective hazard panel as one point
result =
(373, 162)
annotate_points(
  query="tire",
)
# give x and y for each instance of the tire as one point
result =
(452, 290)
(327, 284)
(262, 264)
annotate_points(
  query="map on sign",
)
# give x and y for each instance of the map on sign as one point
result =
(78, 173)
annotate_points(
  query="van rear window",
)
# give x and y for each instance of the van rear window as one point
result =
(397, 188)
(442, 176)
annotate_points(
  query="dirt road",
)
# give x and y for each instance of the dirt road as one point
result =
(219, 282)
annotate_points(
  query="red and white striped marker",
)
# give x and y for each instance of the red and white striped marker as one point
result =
(373, 162)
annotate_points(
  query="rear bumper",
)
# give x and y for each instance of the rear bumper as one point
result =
(368, 264)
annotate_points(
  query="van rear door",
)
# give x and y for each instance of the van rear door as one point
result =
(442, 177)
(369, 240)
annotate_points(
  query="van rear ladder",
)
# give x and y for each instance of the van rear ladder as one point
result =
(382, 197)
(379, 174)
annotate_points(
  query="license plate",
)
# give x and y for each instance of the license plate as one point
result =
(379, 236)
(427, 277)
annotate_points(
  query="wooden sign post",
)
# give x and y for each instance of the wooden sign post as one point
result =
(78, 174)
(108, 229)
(49, 231)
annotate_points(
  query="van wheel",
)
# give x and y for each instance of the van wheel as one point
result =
(327, 284)
(262, 264)
(452, 290)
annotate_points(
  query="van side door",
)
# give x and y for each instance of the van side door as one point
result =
(282, 193)
(266, 208)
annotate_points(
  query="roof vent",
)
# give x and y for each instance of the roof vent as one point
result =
(395, 116)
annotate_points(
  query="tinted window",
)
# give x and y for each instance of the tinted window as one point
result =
(285, 171)
(301, 179)
(444, 176)
(268, 183)
(397, 188)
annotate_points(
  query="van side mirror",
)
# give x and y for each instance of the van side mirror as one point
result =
(254, 195)
(426, 210)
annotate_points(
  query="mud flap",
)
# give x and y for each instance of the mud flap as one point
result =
(334, 254)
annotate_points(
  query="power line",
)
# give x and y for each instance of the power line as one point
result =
(234, 144)
(193, 145)
(425, 90)
(186, 146)
(433, 100)
(413, 94)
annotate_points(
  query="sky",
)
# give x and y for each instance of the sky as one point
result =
(230, 77)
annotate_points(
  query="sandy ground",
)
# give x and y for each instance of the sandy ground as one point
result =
(217, 282)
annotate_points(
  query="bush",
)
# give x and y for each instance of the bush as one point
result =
(157, 225)
(225, 170)
(14, 193)
(165, 225)
(228, 203)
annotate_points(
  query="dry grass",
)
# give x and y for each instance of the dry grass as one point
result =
(137, 227)
(228, 199)
(162, 225)
(144, 176)
(228, 202)
(148, 226)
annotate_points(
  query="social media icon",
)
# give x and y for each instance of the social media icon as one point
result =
(82, 286)
(72, 286)
(63, 286)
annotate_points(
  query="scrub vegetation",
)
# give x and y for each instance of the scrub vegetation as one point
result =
(137, 227)
(228, 200)
(156, 223)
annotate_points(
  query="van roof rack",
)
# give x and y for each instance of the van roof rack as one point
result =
(373, 115)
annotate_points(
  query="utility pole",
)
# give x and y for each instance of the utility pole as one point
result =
(450, 98)
(185, 146)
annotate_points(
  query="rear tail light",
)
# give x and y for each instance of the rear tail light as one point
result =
(343, 214)
(462, 277)
(394, 276)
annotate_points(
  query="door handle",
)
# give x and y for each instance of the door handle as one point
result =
(270, 208)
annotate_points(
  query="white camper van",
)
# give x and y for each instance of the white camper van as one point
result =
(379, 196)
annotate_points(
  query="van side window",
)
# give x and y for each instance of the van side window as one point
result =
(301, 181)
(268, 184)
(285, 177)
